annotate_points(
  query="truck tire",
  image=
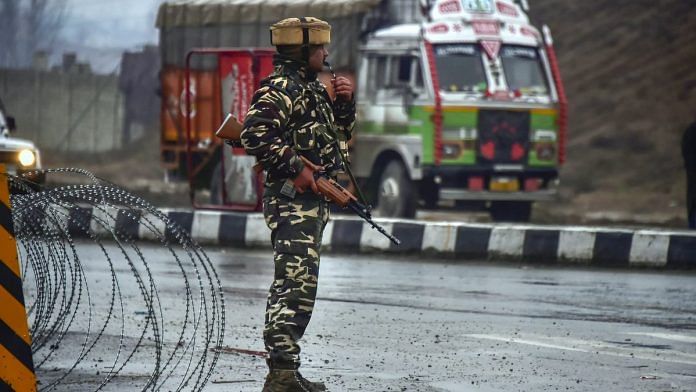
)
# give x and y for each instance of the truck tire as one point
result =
(511, 211)
(216, 185)
(396, 196)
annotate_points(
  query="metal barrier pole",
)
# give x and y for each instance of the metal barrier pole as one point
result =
(16, 362)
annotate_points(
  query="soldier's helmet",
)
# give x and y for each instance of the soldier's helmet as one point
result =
(301, 31)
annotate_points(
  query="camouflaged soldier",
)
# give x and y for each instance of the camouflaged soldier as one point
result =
(292, 115)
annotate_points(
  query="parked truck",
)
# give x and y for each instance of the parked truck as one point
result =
(464, 105)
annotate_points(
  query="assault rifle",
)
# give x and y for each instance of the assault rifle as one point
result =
(344, 199)
(230, 131)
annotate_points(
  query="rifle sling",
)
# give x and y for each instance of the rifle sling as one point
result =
(346, 165)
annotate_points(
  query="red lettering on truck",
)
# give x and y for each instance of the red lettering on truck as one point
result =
(486, 27)
(449, 7)
(506, 9)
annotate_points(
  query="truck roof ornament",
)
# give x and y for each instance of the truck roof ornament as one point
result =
(425, 7)
(513, 11)
(523, 4)
(548, 40)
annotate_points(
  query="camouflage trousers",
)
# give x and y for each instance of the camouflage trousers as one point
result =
(296, 232)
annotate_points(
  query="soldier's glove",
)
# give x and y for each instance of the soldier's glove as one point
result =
(305, 180)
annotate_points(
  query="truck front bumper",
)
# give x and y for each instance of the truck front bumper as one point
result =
(453, 182)
(463, 194)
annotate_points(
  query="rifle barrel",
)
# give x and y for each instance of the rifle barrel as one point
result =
(374, 225)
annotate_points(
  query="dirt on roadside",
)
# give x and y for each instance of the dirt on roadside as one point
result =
(136, 168)
(631, 85)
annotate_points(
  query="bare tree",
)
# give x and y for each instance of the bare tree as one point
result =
(9, 20)
(27, 26)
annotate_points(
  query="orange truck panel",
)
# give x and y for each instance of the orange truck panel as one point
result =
(205, 110)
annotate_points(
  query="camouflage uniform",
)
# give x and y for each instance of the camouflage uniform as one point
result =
(292, 115)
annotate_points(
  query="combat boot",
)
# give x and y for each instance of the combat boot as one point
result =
(281, 380)
(315, 386)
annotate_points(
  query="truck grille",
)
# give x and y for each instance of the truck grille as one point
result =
(503, 136)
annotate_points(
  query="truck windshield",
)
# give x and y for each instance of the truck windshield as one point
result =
(460, 68)
(523, 70)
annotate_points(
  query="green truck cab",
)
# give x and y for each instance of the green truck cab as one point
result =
(466, 106)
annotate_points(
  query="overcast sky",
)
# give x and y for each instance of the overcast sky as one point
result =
(99, 30)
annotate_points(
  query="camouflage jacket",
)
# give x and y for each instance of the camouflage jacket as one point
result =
(293, 114)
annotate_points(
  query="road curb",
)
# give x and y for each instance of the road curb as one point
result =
(596, 246)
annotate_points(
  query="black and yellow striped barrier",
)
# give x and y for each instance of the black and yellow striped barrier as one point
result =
(16, 363)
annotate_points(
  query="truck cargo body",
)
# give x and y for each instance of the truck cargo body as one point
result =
(185, 25)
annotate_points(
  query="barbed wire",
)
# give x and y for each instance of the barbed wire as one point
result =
(93, 295)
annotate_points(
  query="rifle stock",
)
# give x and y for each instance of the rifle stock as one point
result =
(230, 129)
(329, 187)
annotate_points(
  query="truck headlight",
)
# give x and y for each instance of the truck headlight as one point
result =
(27, 157)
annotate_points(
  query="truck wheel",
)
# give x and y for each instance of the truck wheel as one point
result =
(216, 185)
(396, 196)
(511, 211)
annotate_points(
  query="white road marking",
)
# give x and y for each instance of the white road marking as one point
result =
(439, 237)
(256, 233)
(649, 248)
(151, 226)
(576, 245)
(206, 226)
(371, 239)
(604, 348)
(667, 336)
(506, 241)
(328, 233)
(524, 341)
(103, 220)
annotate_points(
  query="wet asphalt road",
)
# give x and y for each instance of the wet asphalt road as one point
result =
(407, 324)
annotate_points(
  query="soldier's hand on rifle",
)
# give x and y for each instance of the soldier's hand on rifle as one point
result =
(343, 88)
(306, 180)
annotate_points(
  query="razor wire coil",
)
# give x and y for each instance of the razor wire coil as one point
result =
(80, 306)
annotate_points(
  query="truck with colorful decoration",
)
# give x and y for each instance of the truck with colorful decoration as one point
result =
(459, 102)
(466, 107)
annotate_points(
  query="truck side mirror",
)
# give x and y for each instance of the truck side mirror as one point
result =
(11, 123)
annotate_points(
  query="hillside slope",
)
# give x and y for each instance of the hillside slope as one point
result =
(630, 73)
